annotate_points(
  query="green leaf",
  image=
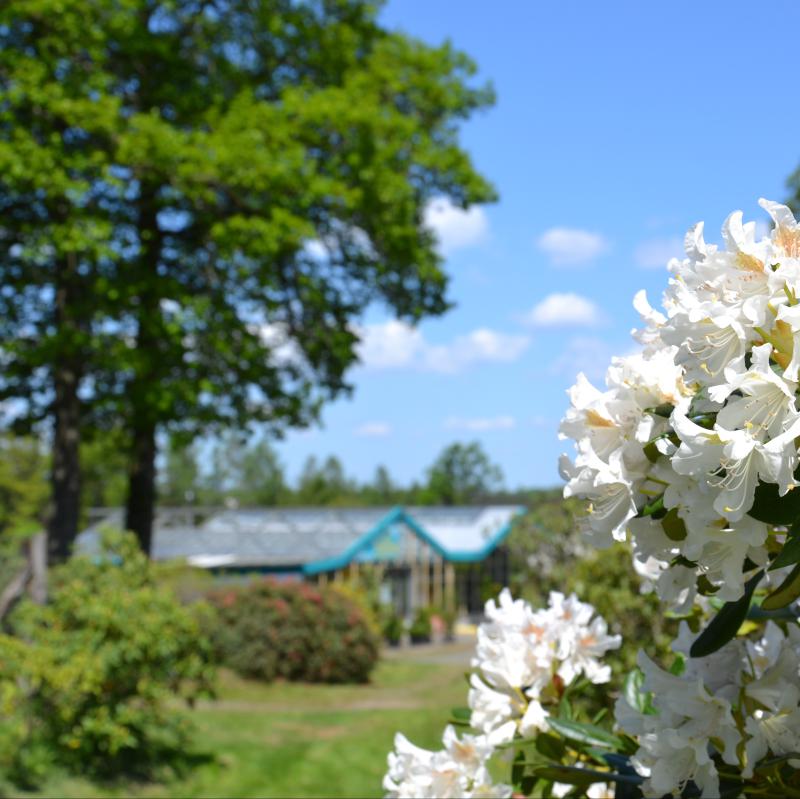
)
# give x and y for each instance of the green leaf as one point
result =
(665, 410)
(724, 626)
(674, 526)
(635, 695)
(573, 775)
(785, 593)
(550, 746)
(655, 508)
(791, 550)
(589, 734)
(770, 507)
(460, 715)
(518, 768)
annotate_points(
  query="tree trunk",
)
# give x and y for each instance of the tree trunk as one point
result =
(65, 473)
(140, 510)
(142, 476)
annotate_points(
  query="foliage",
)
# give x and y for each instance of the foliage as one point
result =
(462, 474)
(23, 499)
(23, 485)
(421, 628)
(104, 470)
(393, 628)
(197, 205)
(91, 678)
(297, 739)
(323, 484)
(294, 631)
(249, 472)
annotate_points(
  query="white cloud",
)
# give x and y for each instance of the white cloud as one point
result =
(454, 227)
(655, 253)
(592, 356)
(571, 246)
(389, 345)
(564, 309)
(373, 429)
(481, 425)
(394, 344)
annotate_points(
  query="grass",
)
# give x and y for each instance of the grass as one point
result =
(304, 740)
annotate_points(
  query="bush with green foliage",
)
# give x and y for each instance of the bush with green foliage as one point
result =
(421, 628)
(269, 630)
(89, 681)
(393, 628)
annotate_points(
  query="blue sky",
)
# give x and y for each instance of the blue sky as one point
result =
(617, 126)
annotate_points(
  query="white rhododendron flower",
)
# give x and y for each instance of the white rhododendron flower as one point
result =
(457, 770)
(525, 655)
(685, 433)
(740, 704)
(524, 660)
(675, 741)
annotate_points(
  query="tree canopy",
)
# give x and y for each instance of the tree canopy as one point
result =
(198, 198)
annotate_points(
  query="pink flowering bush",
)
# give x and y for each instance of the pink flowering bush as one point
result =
(294, 631)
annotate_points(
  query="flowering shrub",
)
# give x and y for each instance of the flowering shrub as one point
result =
(294, 631)
(89, 680)
(689, 455)
(525, 666)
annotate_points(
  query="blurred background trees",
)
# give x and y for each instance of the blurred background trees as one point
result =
(197, 200)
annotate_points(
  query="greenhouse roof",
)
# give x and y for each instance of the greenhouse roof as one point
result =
(314, 539)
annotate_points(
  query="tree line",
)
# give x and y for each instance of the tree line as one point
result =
(249, 473)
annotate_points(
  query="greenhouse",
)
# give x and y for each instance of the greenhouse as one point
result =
(448, 557)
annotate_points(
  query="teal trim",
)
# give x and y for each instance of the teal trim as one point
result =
(340, 561)
(399, 514)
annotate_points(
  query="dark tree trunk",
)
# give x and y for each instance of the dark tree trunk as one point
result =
(140, 510)
(66, 472)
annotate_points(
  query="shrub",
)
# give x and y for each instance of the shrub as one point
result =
(91, 678)
(295, 631)
(393, 628)
(420, 629)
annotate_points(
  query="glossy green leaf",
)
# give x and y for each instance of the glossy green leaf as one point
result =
(572, 775)
(786, 593)
(770, 507)
(674, 526)
(790, 553)
(585, 733)
(724, 626)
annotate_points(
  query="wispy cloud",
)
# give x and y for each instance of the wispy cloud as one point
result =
(397, 345)
(454, 227)
(480, 425)
(589, 355)
(564, 309)
(571, 246)
(655, 253)
(373, 430)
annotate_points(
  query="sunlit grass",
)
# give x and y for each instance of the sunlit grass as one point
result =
(302, 740)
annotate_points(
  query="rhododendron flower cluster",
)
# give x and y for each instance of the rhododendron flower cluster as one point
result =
(741, 702)
(457, 770)
(673, 452)
(525, 657)
(690, 454)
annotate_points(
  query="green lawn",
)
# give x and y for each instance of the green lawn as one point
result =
(307, 740)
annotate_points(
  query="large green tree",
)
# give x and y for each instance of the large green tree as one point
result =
(197, 200)
(461, 474)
